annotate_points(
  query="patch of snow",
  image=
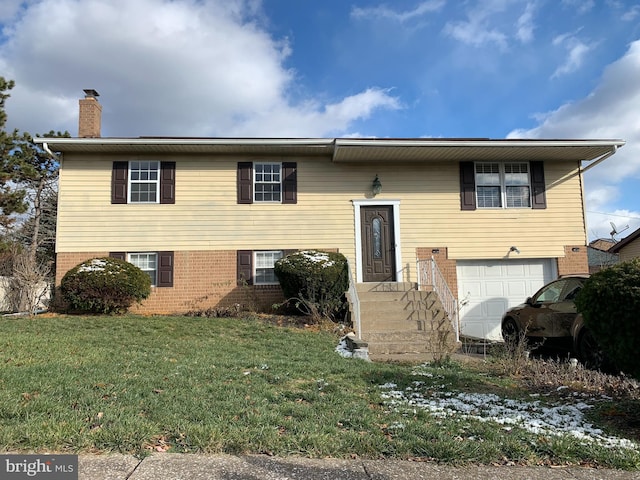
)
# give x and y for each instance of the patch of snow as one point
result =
(96, 265)
(343, 350)
(315, 257)
(554, 420)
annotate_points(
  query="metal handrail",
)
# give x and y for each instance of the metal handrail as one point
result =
(430, 275)
(355, 302)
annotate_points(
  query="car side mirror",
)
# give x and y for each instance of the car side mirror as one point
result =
(529, 301)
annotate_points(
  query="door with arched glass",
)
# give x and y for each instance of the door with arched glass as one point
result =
(378, 244)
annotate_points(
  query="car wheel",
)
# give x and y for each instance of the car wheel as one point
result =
(589, 351)
(510, 331)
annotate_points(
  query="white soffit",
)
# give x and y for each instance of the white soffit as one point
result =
(350, 150)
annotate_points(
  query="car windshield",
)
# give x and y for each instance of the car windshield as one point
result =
(550, 293)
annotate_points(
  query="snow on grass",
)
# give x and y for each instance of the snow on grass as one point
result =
(343, 349)
(558, 419)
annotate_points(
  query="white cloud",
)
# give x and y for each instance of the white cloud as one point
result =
(609, 112)
(631, 14)
(385, 12)
(577, 51)
(599, 224)
(314, 119)
(488, 23)
(581, 6)
(9, 8)
(193, 68)
(525, 25)
(475, 34)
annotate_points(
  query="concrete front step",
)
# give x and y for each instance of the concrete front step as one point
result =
(395, 337)
(387, 343)
(387, 296)
(397, 319)
(397, 325)
(385, 287)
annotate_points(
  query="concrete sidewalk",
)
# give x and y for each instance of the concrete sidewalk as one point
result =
(258, 467)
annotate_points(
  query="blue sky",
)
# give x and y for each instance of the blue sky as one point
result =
(339, 68)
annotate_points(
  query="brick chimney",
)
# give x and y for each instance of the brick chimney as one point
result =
(90, 119)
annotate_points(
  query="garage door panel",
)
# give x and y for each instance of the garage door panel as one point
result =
(491, 271)
(494, 289)
(518, 289)
(487, 288)
(470, 271)
(519, 270)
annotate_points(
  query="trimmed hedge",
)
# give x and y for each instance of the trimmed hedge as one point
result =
(315, 281)
(105, 285)
(609, 303)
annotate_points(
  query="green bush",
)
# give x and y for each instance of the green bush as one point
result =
(315, 282)
(609, 303)
(105, 285)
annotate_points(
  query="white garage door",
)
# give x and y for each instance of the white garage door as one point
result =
(487, 288)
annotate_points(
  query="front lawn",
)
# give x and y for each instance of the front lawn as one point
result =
(180, 384)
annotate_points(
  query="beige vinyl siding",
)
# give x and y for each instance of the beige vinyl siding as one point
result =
(207, 217)
(630, 251)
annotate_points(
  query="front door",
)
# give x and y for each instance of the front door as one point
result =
(378, 244)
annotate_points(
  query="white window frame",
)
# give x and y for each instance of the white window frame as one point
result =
(502, 185)
(144, 266)
(262, 182)
(132, 182)
(261, 265)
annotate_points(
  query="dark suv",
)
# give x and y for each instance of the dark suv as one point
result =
(551, 314)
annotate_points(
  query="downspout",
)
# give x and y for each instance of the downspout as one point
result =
(600, 160)
(46, 148)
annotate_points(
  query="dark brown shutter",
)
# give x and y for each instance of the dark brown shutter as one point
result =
(245, 182)
(165, 269)
(245, 267)
(289, 182)
(119, 178)
(467, 186)
(168, 182)
(118, 255)
(538, 187)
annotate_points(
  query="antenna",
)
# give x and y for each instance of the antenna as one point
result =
(615, 230)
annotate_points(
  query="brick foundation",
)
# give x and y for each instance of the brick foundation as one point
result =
(573, 261)
(202, 280)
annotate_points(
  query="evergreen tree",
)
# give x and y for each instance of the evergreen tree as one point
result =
(28, 202)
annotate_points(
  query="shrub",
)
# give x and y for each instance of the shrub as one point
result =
(105, 285)
(315, 282)
(609, 303)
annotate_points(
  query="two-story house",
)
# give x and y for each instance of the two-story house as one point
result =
(208, 217)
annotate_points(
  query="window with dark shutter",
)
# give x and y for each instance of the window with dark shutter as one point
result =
(245, 182)
(289, 182)
(467, 186)
(538, 187)
(245, 267)
(165, 269)
(119, 178)
(168, 182)
(118, 255)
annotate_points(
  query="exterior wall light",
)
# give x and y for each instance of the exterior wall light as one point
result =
(376, 186)
(514, 249)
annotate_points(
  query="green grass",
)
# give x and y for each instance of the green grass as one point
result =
(179, 384)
